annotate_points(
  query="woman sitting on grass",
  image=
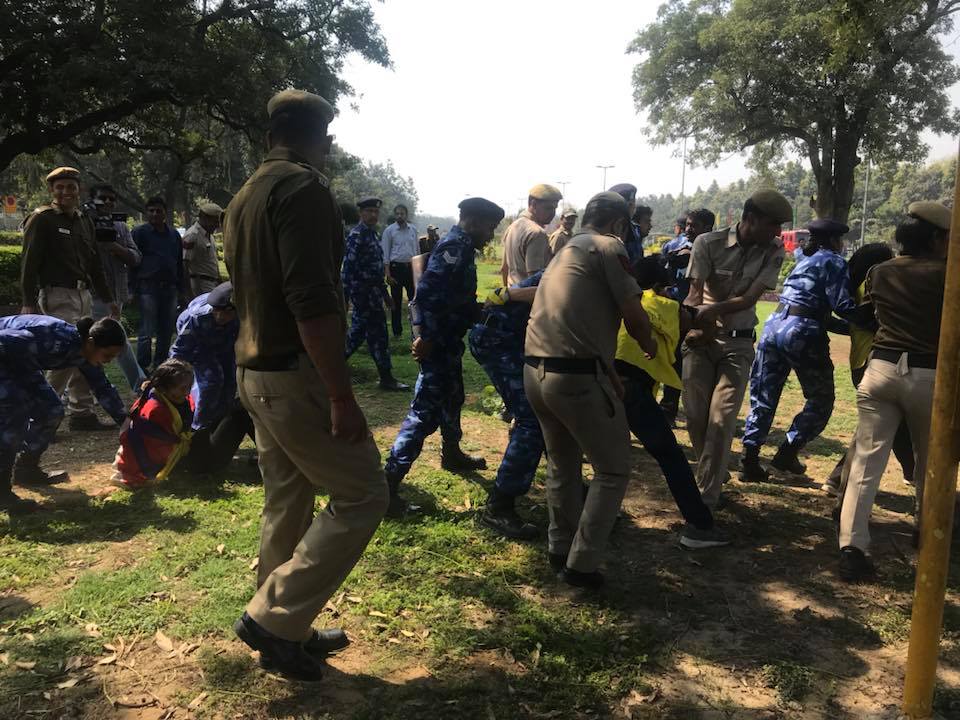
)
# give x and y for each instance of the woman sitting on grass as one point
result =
(158, 432)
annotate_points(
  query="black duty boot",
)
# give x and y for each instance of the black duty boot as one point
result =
(501, 516)
(88, 423)
(786, 460)
(390, 383)
(27, 471)
(750, 468)
(286, 657)
(320, 645)
(454, 459)
(398, 506)
(854, 565)
(10, 501)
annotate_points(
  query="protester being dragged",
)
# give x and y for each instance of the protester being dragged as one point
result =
(861, 343)
(206, 334)
(30, 409)
(907, 297)
(795, 338)
(640, 376)
(158, 433)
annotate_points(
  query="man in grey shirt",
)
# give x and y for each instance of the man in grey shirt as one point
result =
(400, 243)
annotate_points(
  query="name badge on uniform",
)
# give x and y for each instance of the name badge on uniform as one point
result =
(724, 273)
(65, 231)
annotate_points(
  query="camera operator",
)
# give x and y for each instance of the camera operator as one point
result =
(117, 252)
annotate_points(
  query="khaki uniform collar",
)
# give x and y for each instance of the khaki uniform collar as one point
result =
(283, 153)
(733, 236)
(61, 211)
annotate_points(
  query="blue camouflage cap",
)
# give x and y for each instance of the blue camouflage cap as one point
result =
(221, 296)
(370, 202)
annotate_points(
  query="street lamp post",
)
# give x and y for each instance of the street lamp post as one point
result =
(563, 189)
(604, 168)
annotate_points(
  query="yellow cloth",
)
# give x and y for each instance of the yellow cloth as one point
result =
(183, 447)
(664, 315)
(861, 341)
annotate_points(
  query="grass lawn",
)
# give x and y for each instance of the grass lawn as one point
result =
(121, 607)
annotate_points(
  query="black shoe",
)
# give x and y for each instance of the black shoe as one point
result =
(854, 565)
(503, 518)
(456, 460)
(27, 471)
(694, 538)
(786, 460)
(319, 646)
(589, 580)
(16, 505)
(285, 657)
(557, 561)
(88, 423)
(751, 470)
(397, 507)
(390, 383)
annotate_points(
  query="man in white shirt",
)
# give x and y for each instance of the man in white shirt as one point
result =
(400, 243)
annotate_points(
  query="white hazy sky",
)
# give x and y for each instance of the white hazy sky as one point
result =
(519, 92)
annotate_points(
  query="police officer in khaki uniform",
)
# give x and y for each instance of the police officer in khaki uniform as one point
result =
(60, 265)
(526, 247)
(283, 241)
(907, 298)
(569, 380)
(200, 261)
(729, 270)
(562, 234)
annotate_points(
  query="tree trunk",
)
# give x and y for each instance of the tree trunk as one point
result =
(836, 181)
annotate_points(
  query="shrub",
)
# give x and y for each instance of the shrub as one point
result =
(10, 275)
(11, 237)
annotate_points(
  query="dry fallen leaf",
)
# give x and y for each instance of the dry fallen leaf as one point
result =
(73, 663)
(195, 703)
(407, 633)
(68, 683)
(163, 642)
(24, 665)
(354, 599)
(255, 563)
(395, 641)
(220, 548)
(425, 634)
(47, 696)
(377, 613)
(108, 660)
(535, 655)
(92, 630)
(5, 658)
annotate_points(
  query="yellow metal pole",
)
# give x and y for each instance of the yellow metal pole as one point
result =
(939, 493)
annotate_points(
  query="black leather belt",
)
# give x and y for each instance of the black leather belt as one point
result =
(281, 363)
(916, 360)
(752, 334)
(569, 366)
(800, 311)
(78, 285)
(204, 277)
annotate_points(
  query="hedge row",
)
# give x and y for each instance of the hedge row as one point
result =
(11, 237)
(10, 275)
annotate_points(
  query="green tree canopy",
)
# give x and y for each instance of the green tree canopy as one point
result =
(828, 79)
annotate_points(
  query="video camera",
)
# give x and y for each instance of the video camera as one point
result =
(103, 225)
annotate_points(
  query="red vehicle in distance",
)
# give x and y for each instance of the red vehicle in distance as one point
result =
(791, 239)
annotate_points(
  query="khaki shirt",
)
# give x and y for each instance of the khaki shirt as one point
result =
(728, 269)
(283, 245)
(525, 248)
(59, 250)
(907, 296)
(558, 239)
(200, 253)
(576, 311)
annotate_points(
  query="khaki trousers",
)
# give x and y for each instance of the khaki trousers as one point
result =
(581, 414)
(889, 393)
(304, 558)
(69, 305)
(715, 379)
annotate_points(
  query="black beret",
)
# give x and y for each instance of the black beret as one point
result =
(826, 226)
(481, 207)
(370, 202)
(609, 200)
(221, 296)
(624, 190)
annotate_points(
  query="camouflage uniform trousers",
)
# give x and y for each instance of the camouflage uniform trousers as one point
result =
(525, 447)
(214, 388)
(437, 400)
(30, 413)
(368, 321)
(798, 344)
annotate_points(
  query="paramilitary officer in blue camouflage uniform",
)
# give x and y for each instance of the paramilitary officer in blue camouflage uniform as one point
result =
(497, 344)
(30, 410)
(795, 338)
(444, 307)
(364, 286)
(633, 240)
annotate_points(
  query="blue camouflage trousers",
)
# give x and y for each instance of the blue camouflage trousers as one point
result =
(504, 366)
(214, 388)
(30, 413)
(798, 344)
(437, 400)
(368, 321)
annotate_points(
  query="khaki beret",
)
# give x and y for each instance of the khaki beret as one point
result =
(569, 212)
(773, 205)
(211, 210)
(63, 173)
(545, 192)
(288, 99)
(933, 212)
